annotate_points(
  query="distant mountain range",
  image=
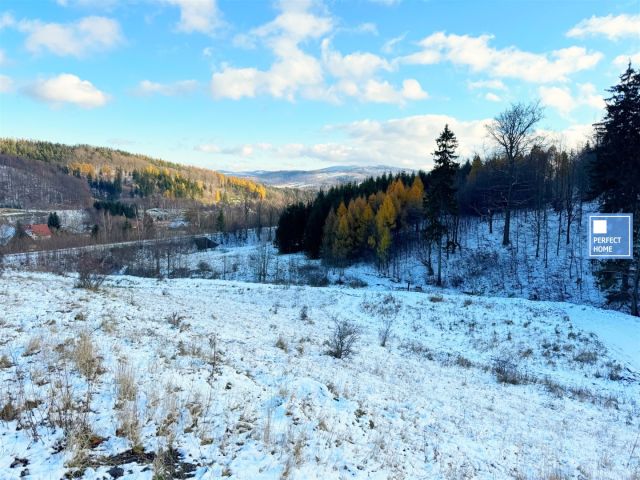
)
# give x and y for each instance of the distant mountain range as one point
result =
(324, 177)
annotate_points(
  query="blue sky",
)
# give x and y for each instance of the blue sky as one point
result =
(243, 85)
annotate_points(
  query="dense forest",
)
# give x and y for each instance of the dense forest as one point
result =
(28, 184)
(386, 216)
(114, 173)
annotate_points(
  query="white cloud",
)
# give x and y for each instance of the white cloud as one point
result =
(376, 91)
(357, 65)
(367, 27)
(3, 57)
(572, 137)
(408, 141)
(613, 27)
(588, 96)
(296, 73)
(293, 71)
(182, 87)
(380, 92)
(412, 139)
(201, 16)
(68, 88)
(103, 4)
(488, 84)
(564, 102)
(559, 98)
(6, 84)
(78, 39)
(390, 44)
(621, 61)
(236, 151)
(492, 97)
(411, 90)
(7, 20)
(236, 83)
(362, 28)
(475, 53)
(208, 148)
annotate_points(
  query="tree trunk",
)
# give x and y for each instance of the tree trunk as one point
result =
(439, 281)
(559, 233)
(490, 221)
(635, 308)
(538, 222)
(507, 225)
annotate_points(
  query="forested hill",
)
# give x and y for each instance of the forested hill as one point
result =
(116, 173)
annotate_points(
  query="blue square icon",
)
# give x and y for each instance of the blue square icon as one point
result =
(610, 236)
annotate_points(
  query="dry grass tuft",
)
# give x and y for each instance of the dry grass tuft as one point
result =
(5, 362)
(86, 357)
(126, 386)
(34, 346)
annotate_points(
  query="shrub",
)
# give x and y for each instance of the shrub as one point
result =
(586, 356)
(343, 339)
(9, 411)
(175, 320)
(506, 371)
(5, 362)
(385, 330)
(91, 272)
(312, 275)
(463, 362)
(281, 343)
(356, 283)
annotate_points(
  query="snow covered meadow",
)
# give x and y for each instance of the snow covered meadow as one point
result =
(195, 378)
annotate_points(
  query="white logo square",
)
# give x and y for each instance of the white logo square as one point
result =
(600, 227)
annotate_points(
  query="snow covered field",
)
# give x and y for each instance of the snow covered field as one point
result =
(219, 378)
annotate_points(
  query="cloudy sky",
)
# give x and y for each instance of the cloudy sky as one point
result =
(243, 84)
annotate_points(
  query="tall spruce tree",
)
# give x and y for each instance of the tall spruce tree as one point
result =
(615, 178)
(440, 199)
(53, 222)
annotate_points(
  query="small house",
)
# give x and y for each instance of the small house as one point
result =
(38, 231)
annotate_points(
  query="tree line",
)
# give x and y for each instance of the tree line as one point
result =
(382, 217)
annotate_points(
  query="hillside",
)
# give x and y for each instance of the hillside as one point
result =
(141, 175)
(321, 178)
(26, 183)
(203, 379)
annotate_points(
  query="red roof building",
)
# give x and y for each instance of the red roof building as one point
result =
(38, 230)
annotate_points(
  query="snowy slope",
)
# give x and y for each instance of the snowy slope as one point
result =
(235, 379)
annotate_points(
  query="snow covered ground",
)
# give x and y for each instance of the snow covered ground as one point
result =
(219, 378)
(482, 266)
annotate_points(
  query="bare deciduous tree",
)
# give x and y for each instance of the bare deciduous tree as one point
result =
(512, 130)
